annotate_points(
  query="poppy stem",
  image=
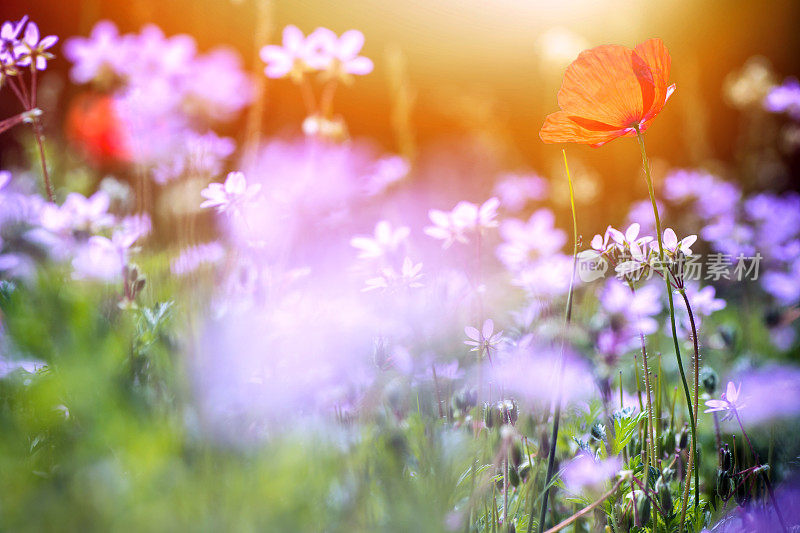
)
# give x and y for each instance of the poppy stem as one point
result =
(649, 180)
(551, 457)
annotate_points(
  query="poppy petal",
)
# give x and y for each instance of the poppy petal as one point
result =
(561, 127)
(602, 85)
(656, 56)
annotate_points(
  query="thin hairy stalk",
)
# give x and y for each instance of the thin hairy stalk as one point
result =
(326, 99)
(561, 525)
(308, 95)
(12, 82)
(567, 319)
(653, 497)
(651, 453)
(659, 392)
(674, 328)
(438, 394)
(505, 491)
(696, 369)
(37, 133)
(763, 475)
(9, 123)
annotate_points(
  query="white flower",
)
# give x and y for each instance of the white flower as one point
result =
(485, 339)
(234, 192)
(338, 55)
(390, 279)
(464, 218)
(387, 240)
(630, 240)
(673, 245)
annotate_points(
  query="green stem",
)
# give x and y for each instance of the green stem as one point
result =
(567, 318)
(649, 179)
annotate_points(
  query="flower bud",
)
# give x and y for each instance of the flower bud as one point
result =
(633, 446)
(599, 431)
(724, 486)
(664, 494)
(493, 414)
(516, 454)
(683, 439)
(544, 445)
(742, 495)
(509, 411)
(668, 441)
(643, 508)
(524, 469)
(513, 477)
(728, 335)
(623, 516)
(465, 399)
(709, 379)
(726, 459)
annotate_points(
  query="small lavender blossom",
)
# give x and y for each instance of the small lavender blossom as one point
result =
(642, 212)
(584, 472)
(389, 279)
(78, 213)
(634, 311)
(465, 218)
(602, 243)
(484, 340)
(386, 172)
(783, 285)
(291, 59)
(704, 301)
(9, 40)
(672, 245)
(338, 55)
(730, 402)
(630, 240)
(32, 50)
(517, 190)
(217, 87)
(194, 257)
(387, 240)
(99, 259)
(712, 196)
(445, 371)
(527, 241)
(784, 98)
(231, 194)
(103, 52)
(727, 235)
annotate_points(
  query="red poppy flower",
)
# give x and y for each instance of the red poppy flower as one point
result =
(93, 125)
(609, 92)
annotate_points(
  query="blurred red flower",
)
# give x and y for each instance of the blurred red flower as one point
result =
(610, 91)
(94, 127)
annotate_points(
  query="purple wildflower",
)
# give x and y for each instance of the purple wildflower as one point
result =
(338, 55)
(33, 51)
(387, 240)
(517, 190)
(465, 218)
(584, 472)
(729, 402)
(484, 340)
(103, 52)
(784, 98)
(195, 257)
(525, 242)
(231, 194)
